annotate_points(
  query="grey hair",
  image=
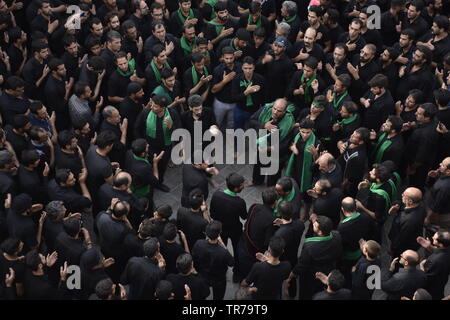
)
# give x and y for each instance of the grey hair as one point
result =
(284, 27)
(111, 35)
(108, 111)
(291, 7)
(195, 101)
(54, 209)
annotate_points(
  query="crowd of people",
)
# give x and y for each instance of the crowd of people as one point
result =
(91, 91)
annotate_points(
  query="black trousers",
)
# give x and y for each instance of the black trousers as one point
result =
(234, 237)
(219, 287)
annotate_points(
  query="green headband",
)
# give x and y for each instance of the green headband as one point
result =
(317, 104)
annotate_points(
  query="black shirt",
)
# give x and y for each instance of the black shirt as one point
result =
(211, 260)
(421, 146)
(227, 209)
(239, 85)
(268, 279)
(170, 252)
(259, 227)
(192, 224)
(421, 79)
(358, 226)
(329, 205)
(292, 234)
(419, 25)
(379, 110)
(278, 74)
(99, 168)
(73, 201)
(193, 178)
(439, 195)
(225, 94)
(111, 232)
(68, 249)
(130, 109)
(11, 106)
(30, 182)
(70, 161)
(198, 285)
(23, 228)
(341, 294)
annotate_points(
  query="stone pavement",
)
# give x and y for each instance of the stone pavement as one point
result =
(173, 179)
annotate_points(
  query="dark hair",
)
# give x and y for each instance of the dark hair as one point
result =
(93, 21)
(150, 247)
(112, 35)
(255, 7)
(29, 157)
(430, 110)
(345, 79)
(80, 88)
(243, 34)
(195, 101)
(54, 63)
(126, 25)
(418, 4)
(333, 15)
(316, 9)
(311, 62)
(260, 32)
(379, 80)
(286, 210)
(202, 41)
(410, 33)
(120, 180)
(197, 57)
(213, 229)
(220, 6)
(156, 23)
(38, 45)
(196, 198)
(14, 33)
(269, 196)
(427, 53)
(234, 180)
(133, 88)
(104, 288)
(443, 237)
(106, 139)
(417, 95)
(422, 294)
(393, 53)
(227, 50)
(67, 40)
(170, 231)
(35, 106)
(286, 184)
(184, 263)
(382, 173)
(325, 225)
(164, 211)
(164, 290)
(364, 134)
(138, 146)
(248, 60)
(166, 73)
(121, 209)
(5, 158)
(120, 55)
(10, 245)
(54, 209)
(336, 280)
(61, 175)
(72, 226)
(397, 123)
(97, 63)
(342, 46)
(33, 260)
(14, 82)
(357, 21)
(442, 96)
(350, 106)
(306, 123)
(276, 246)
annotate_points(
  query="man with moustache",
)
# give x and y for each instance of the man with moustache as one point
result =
(438, 195)
(389, 68)
(353, 39)
(405, 46)
(221, 27)
(302, 50)
(437, 40)
(197, 78)
(131, 106)
(336, 63)
(389, 143)
(414, 20)
(185, 15)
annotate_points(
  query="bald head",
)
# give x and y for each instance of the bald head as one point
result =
(444, 167)
(279, 108)
(412, 196)
(348, 205)
(310, 37)
(411, 258)
(122, 180)
(326, 162)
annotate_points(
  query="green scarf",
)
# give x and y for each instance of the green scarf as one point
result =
(375, 188)
(249, 101)
(182, 17)
(195, 75)
(131, 69)
(337, 102)
(230, 193)
(284, 126)
(145, 190)
(156, 71)
(151, 126)
(186, 47)
(219, 26)
(250, 21)
(317, 239)
(307, 87)
(353, 217)
(212, 3)
(287, 198)
(349, 120)
(382, 144)
(307, 162)
(162, 91)
(290, 19)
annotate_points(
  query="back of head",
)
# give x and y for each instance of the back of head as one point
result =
(164, 211)
(269, 196)
(373, 249)
(104, 288)
(106, 139)
(196, 198)
(54, 209)
(422, 294)
(72, 226)
(285, 209)
(286, 184)
(184, 263)
(10, 246)
(325, 225)
(276, 246)
(164, 290)
(213, 230)
(336, 280)
(234, 181)
(151, 247)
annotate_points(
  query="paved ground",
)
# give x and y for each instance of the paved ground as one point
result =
(250, 195)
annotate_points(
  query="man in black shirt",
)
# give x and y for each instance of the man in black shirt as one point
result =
(360, 272)
(113, 45)
(389, 20)
(222, 84)
(193, 220)
(131, 106)
(421, 147)
(221, 27)
(143, 273)
(414, 20)
(248, 90)
(437, 40)
(336, 64)
(212, 259)
(437, 197)
(268, 275)
(362, 69)
(389, 68)
(198, 286)
(68, 154)
(156, 125)
(112, 122)
(326, 202)
(17, 135)
(335, 290)
(258, 230)
(408, 222)
(36, 70)
(185, 15)
(277, 69)
(31, 180)
(62, 188)
(378, 102)
(227, 207)
(45, 21)
(319, 254)
(197, 78)
(353, 39)
(13, 102)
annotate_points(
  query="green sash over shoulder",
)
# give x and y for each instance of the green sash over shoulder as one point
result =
(186, 47)
(307, 162)
(195, 75)
(249, 99)
(183, 18)
(142, 191)
(307, 88)
(230, 193)
(317, 239)
(337, 102)
(287, 198)
(258, 22)
(151, 126)
(156, 71)
(382, 144)
(219, 26)
(290, 19)
(349, 119)
(286, 124)
(375, 188)
(162, 91)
